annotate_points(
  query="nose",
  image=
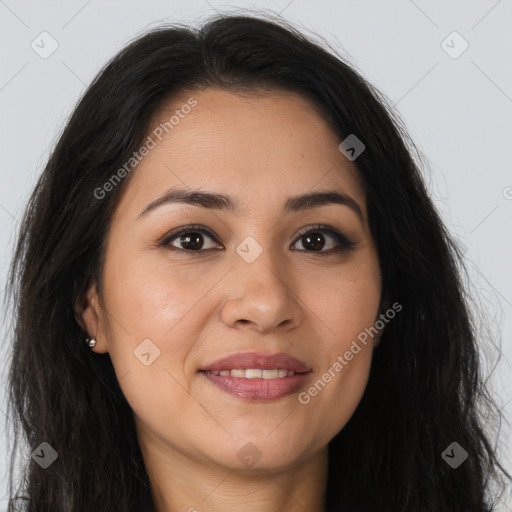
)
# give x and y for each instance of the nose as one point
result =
(261, 296)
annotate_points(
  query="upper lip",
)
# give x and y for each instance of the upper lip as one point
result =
(244, 360)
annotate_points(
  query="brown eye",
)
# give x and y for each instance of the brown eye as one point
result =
(314, 241)
(192, 241)
(189, 239)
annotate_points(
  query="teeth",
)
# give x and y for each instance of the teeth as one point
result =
(256, 373)
(253, 373)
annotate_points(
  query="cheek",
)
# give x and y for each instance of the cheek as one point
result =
(149, 296)
(144, 312)
(346, 307)
(147, 343)
(346, 300)
(333, 396)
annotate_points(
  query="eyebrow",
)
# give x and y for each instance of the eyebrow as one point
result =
(222, 202)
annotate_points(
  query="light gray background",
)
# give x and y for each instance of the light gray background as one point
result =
(458, 110)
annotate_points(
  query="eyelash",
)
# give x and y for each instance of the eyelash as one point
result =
(344, 243)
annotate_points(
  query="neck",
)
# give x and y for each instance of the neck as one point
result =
(181, 483)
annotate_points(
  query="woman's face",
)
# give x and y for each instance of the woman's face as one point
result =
(242, 282)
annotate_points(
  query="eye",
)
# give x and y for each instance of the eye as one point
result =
(189, 238)
(314, 240)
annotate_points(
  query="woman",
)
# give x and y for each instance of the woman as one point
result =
(233, 292)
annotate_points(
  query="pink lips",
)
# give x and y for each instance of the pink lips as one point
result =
(255, 360)
(258, 389)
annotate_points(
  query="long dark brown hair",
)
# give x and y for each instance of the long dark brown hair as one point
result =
(425, 388)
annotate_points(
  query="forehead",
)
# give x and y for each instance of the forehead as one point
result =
(259, 147)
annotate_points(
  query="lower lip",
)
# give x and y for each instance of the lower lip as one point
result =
(262, 390)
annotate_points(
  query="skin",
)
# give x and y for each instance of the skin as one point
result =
(196, 308)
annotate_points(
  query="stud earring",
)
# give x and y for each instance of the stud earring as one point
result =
(91, 342)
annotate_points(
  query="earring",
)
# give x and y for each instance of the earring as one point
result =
(91, 342)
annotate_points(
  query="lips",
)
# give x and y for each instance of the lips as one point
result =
(248, 360)
(257, 377)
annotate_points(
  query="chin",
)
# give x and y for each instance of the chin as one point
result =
(248, 454)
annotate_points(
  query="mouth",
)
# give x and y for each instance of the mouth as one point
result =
(254, 373)
(257, 377)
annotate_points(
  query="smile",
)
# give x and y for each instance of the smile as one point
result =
(258, 377)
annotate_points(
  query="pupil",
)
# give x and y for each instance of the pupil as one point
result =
(188, 241)
(314, 241)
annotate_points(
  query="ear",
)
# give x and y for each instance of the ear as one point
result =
(90, 315)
